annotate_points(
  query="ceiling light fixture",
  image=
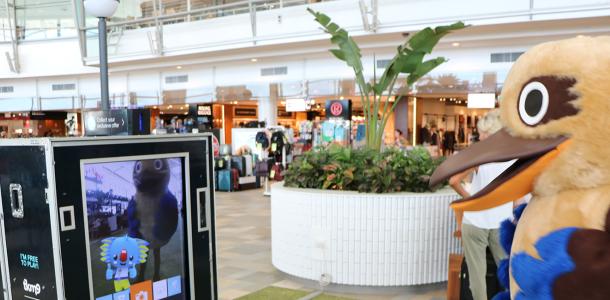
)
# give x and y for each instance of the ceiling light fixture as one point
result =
(179, 67)
(254, 60)
(455, 44)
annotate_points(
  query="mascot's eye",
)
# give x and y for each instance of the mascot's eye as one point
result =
(533, 103)
(115, 257)
(131, 258)
(158, 164)
(138, 167)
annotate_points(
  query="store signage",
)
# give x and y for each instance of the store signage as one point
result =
(245, 112)
(204, 110)
(296, 105)
(482, 100)
(336, 109)
(282, 113)
(100, 123)
(339, 109)
(48, 115)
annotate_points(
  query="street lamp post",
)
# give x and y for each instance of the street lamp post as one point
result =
(102, 9)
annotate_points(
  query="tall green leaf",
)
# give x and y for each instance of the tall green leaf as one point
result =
(348, 49)
(409, 59)
(426, 39)
(424, 69)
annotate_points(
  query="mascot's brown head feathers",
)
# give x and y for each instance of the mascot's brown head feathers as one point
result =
(561, 89)
(555, 106)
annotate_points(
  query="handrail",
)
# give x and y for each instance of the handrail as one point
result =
(241, 4)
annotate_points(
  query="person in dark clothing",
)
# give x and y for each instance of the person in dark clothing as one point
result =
(448, 143)
(435, 141)
(461, 135)
(434, 136)
(424, 135)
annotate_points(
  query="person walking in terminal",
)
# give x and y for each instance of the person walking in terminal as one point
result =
(399, 139)
(481, 229)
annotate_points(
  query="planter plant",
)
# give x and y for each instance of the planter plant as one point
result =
(363, 170)
(409, 60)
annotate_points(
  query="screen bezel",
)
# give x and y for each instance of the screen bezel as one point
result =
(187, 197)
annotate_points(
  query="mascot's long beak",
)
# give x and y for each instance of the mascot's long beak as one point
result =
(533, 156)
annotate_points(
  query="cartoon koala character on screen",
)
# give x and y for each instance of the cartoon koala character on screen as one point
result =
(121, 255)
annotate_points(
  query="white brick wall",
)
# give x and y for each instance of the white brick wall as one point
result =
(363, 239)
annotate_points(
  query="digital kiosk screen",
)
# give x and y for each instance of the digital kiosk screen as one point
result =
(135, 228)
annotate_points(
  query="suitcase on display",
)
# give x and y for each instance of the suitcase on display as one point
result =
(224, 180)
(235, 179)
(248, 160)
(71, 209)
(249, 182)
(239, 163)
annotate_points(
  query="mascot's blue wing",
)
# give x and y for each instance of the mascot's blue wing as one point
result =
(507, 234)
(166, 218)
(536, 277)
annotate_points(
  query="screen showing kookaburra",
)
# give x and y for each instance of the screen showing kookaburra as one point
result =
(555, 107)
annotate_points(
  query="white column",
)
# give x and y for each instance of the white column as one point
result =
(267, 107)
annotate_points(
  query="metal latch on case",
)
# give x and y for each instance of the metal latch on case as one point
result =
(16, 196)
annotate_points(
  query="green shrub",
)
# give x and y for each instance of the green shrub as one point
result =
(362, 170)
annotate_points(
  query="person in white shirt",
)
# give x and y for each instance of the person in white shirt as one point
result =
(480, 229)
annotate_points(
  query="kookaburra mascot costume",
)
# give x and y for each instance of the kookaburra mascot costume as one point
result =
(556, 111)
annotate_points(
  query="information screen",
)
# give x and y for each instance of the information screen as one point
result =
(136, 229)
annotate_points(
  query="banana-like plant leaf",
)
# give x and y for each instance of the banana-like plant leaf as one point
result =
(409, 59)
(424, 69)
(425, 40)
(332, 28)
(448, 28)
(404, 62)
(338, 54)
(320, 17)
(348, 49)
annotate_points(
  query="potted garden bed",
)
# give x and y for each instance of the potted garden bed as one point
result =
(367, 217)
(379, 236)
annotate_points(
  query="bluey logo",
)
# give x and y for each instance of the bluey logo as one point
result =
(31, 288)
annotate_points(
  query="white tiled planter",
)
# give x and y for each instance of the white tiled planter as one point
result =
(363, 239)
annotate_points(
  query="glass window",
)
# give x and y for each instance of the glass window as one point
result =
(5, 28)
(170, 7)
(59, 103)
(292, 89)
(44, 19)
(17, 104)
(145, 98)
(200, 95)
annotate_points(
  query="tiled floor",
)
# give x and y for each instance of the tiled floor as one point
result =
(244, 245)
